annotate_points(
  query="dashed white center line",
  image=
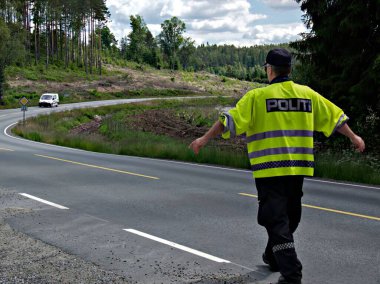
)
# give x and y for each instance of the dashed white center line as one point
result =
(181, 247)
(43, 201)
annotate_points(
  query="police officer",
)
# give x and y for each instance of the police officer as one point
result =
(279, 121)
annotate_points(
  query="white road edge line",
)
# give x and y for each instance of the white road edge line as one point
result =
(183, 163)
(181, 247)
(341, 183)
(43, 201)
(35, 142)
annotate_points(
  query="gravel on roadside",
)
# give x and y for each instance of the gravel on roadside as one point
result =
(27, 260)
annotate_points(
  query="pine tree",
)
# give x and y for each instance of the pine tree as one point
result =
(186, 52)
(11, 51)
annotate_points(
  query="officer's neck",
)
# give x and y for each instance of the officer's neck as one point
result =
(271, 75)
(279, 79)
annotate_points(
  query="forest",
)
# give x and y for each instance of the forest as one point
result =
(339, 56)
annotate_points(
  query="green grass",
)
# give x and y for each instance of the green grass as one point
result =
(143, 144)
(54, 73)
(348, 166)
(188, 76)
(152, 92)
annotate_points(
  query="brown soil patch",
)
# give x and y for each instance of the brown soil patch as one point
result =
(89, 127)
(166, 122)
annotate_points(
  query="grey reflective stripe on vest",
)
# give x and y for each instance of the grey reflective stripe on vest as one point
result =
(230, 125)
(339, 123)
(281, 150)
(279, 133)
(283, 164)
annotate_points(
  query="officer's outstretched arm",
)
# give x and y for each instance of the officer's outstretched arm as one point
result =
(214, 131)
(355, 139)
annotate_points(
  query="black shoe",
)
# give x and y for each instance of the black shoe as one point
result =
(272, 264)
(282, 280)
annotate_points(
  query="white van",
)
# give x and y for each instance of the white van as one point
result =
(48, 99)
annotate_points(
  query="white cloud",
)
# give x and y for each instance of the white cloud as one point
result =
(212, 15)
(202, 9)
(266, 34)
(121, 10)
(155, 29)
(213, 21)
(232, 23)
(282, 4)
(258, 35)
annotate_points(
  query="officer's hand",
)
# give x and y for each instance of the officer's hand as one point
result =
(197, 144)
(358, 143)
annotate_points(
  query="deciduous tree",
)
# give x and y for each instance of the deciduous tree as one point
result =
(171, 38)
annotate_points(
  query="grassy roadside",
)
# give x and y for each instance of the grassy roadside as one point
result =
(119, 130)
(12, 99)
(348, 165)
(116, 136)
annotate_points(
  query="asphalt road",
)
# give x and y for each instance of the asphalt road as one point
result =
(158, 221)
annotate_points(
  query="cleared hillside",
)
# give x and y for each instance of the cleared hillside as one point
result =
(132, 80)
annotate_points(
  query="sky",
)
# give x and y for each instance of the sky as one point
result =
(238, 22)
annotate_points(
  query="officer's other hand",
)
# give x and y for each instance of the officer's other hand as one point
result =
(358, 143)
(197, 144)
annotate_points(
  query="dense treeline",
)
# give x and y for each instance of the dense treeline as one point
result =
(59, 30)
(171, 50)
(67, 32)
(239, 62)
(340, 57)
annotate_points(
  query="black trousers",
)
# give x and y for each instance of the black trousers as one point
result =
(280, 213)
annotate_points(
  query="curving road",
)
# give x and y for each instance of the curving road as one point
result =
(158, 221)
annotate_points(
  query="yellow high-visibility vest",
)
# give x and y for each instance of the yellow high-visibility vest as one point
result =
(279, 122)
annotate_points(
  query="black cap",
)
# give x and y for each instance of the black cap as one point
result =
(279, 57)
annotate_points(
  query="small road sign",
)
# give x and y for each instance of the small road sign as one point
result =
(23, 101)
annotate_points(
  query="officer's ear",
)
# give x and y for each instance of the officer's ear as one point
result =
(270, 71)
